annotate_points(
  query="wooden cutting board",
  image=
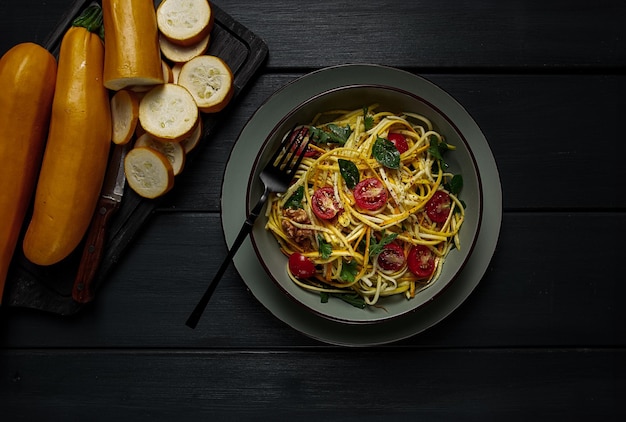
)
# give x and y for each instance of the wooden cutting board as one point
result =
(50, 288)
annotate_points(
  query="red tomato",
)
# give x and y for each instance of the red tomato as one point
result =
(301, 266)
(370, 194)
(391, 258)
(438, 207)
(421, 261)
(399, 140)
(324, 203)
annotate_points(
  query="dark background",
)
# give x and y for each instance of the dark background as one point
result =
(541, 337)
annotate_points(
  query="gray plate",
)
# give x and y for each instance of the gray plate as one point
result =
(234, 208)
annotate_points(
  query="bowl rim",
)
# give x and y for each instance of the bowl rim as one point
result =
(253, 178)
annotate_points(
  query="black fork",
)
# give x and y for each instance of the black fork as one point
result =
(276, 177)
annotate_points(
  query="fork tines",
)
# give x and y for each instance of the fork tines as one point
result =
(294, 146)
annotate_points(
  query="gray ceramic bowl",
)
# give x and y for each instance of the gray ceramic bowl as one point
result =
(460, 161)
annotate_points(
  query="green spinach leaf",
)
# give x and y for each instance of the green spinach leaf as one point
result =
(386, 153)
(349, 172)
(295, 200)
(438, 149)
(455, 184)
(335, 134)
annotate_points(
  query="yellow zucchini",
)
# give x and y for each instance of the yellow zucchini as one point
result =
(27, 80)
(77, 149)
(132, 57)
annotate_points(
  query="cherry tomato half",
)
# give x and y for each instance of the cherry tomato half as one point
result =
(370, 194)
(421, 261)
(438, 207)
(399, 140)
(391, 258)
(324, 203)
(301, 266)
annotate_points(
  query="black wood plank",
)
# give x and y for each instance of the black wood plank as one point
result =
(562, 288)
(432, 35)
(557, 139)
(531, 35)
(542, 336)
(507, 384)
(29, 20)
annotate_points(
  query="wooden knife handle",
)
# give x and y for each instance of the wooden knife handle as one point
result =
(82, 291)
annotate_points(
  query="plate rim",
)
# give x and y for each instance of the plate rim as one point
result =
(435, 288)
(285, 309)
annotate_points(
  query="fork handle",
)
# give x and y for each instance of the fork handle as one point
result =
(245, 230)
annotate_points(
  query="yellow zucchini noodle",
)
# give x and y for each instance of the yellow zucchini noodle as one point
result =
(345, 248)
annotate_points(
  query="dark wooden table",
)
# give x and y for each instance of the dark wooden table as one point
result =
(543, 336)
